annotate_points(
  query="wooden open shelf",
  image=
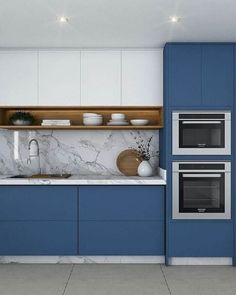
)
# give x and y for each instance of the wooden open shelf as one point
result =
(75, 114)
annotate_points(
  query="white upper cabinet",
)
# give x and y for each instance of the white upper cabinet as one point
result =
(142, 77)
(100, 78)
(18, 78)
(59, 78)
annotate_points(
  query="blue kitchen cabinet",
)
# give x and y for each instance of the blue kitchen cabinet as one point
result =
(38, 203)
(38, 238)
(121, 202)
(121, 238)
(38, 220)
(199, 75)
(218, 75)
(183, 74)
(200, 239)
(121, 220)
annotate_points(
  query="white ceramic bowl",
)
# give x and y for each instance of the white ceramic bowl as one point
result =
(92, 121)
(88, 115)
(139, 122)
(118, 116)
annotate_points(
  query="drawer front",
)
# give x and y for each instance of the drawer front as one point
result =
(38, 238)
(200, 239)
(38, 203)
(121, 203)
(121, 238)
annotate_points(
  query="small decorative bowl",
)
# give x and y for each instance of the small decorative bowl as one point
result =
(139, 122)
(92, 121)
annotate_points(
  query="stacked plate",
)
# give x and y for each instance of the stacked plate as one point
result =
(118, 119)
(92, 119)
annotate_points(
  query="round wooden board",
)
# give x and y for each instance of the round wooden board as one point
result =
(128, 162)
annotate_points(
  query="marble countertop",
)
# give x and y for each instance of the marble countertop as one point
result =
(85, 180)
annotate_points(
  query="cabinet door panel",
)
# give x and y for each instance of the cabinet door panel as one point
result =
(59, 78)
(142, 77)
(38, 238)
(121, 238)
(38, 203)
(218, 75)
(200, 239)
(18, 78)
(100, 78)
(121, 203)
(185, 75)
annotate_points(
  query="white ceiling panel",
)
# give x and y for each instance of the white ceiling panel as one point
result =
(109, 23)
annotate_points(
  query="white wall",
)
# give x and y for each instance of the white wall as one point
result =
(81, 77)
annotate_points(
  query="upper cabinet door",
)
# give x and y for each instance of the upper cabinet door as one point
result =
(100, 78)
(218, 74)
(183, 72)
(59, 78)
(142, 77)
(18, 78)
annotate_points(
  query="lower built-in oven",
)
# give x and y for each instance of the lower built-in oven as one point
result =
(201, 190)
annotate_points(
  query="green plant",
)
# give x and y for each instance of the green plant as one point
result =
(22, 116)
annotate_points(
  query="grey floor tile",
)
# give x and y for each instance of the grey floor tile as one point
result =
(33, 279)
(201, 280)
(117, 279)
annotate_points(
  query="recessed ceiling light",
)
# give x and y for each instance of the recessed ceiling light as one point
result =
(63, 19)
(174, 19)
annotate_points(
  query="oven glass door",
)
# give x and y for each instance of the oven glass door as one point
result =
(201, 193)
(201, 134)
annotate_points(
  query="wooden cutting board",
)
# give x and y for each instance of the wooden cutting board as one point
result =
(128, 162)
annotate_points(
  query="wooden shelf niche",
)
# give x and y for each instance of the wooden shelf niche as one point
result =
(75, 114)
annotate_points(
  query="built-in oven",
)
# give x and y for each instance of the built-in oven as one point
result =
(201, 190)
(201, 132)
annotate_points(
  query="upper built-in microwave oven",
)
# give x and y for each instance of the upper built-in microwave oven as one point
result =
(201, 132)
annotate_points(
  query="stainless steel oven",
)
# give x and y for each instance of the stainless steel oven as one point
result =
(201, 132)
(201, 190)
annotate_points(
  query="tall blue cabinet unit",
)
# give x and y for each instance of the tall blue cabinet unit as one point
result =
(197, 76)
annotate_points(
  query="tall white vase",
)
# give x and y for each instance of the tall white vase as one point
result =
(145, 169)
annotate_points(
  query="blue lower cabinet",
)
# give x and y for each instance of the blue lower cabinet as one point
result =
(121, 238)
(38, 203)
(200, 239)
(38, 238)
(121, 203)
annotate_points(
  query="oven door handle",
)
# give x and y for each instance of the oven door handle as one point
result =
(201, 122)
(202, 175)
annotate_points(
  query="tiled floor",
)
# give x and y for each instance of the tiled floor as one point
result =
(119, 279)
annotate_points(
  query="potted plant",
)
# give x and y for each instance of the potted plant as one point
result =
(143, 148)
(21, 119)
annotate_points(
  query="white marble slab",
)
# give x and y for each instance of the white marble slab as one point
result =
(87, 180)
(74, 152)
(82, 259)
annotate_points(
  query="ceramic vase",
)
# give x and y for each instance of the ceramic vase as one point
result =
(145, 169)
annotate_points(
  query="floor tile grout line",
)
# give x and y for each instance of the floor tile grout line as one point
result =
(165, 280)
(67, 282)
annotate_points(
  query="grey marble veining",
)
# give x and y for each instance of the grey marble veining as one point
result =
(75, 152)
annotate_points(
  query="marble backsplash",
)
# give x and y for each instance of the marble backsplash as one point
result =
(75, 152)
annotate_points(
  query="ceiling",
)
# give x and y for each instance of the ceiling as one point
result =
(109, 23)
